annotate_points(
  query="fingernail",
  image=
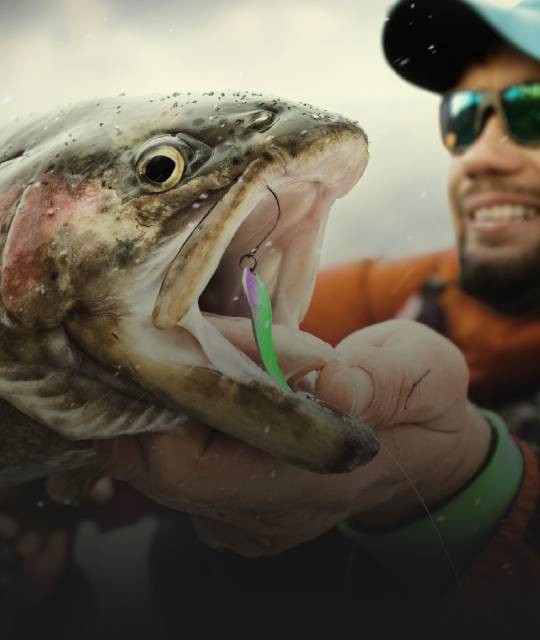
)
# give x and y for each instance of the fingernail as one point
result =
(347, 388)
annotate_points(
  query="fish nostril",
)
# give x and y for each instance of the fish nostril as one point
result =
(259, 121)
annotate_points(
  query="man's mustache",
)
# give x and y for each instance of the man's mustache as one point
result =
(471, 196)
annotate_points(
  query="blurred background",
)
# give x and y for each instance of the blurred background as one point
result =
(324, 53)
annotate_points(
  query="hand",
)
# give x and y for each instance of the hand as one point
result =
(403, 379)
(33, 557)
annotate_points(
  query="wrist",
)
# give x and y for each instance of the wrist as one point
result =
(469, 452)
(457, 529)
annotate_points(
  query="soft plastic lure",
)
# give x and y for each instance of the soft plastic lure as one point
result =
(260, 307)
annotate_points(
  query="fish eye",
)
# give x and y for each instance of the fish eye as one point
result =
(159, 166)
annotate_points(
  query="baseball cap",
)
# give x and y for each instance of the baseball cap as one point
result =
(430, 42)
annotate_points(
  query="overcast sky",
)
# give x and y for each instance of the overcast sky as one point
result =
(325, 53)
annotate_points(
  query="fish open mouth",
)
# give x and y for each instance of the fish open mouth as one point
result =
(280, 205)
(187, 337)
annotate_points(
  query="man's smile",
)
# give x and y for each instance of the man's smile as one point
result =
(498, 213)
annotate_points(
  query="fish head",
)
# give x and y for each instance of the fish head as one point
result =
(124, 225)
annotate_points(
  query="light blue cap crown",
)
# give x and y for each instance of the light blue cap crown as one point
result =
(430, 42)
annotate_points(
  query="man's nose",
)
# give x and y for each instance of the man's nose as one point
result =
(493, 152)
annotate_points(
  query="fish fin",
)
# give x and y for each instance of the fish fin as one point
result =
(79, 407)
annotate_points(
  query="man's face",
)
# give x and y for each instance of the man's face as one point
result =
(494, 192)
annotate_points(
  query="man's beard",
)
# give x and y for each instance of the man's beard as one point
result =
(511, 287)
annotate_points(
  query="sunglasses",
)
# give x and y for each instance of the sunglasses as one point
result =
(464, 113)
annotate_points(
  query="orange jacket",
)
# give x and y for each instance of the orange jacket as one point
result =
(503, 355)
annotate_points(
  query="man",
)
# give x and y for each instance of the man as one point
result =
(407, 382)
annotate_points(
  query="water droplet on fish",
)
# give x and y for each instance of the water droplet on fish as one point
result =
(203, 196)
(236, 298)
(41, 504)
(268, 243)
(404, 62)
(273, 473)
(195, 205)
(266, 430)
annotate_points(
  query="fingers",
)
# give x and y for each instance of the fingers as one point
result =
(399, 371)
(345, 387)
(182, 469)
(223, 535)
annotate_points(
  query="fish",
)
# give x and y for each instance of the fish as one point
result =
(123, 222)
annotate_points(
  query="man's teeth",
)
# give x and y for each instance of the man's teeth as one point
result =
(511, 213)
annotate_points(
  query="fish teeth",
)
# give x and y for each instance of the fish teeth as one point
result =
(510, 212)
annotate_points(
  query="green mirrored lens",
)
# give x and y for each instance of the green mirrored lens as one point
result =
(521, 104)
(459, 114)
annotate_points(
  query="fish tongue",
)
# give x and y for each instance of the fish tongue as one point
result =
(298, 352)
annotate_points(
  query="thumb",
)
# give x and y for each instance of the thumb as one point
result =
(345, 387)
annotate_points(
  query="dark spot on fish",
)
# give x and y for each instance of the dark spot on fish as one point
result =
(54, 275)
(235, 160)
(114, 335)
(124, 251)
(267, 156)
(198, 122)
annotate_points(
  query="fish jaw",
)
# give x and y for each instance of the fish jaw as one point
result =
(185, 355)
(289, 426)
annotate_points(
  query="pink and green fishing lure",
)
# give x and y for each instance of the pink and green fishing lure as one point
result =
(260, 307)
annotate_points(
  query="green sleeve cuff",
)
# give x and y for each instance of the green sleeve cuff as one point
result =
(446, 543)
